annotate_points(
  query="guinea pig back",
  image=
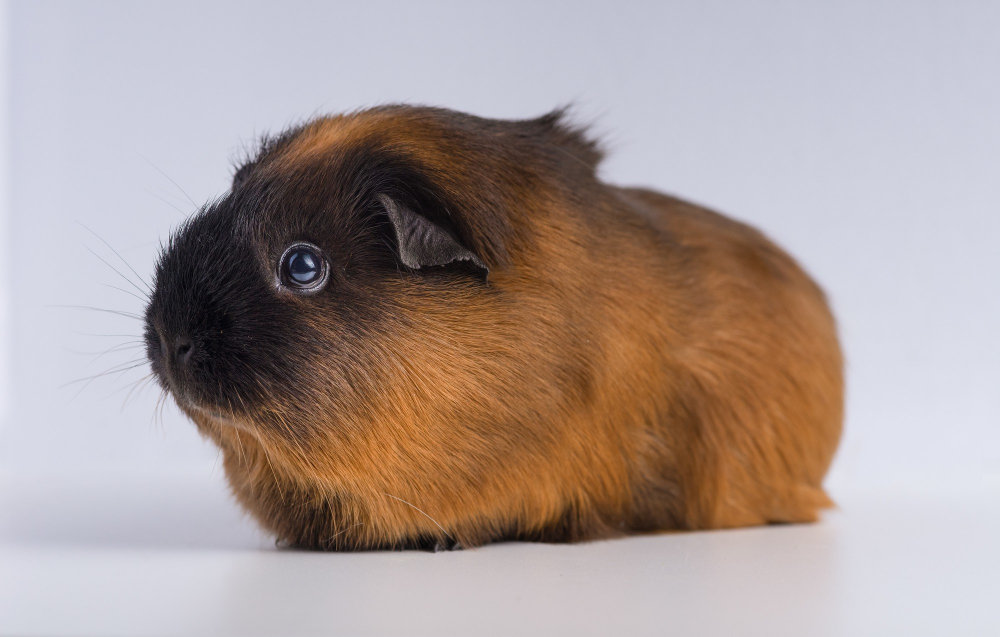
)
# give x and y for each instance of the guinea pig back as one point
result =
(410, 327)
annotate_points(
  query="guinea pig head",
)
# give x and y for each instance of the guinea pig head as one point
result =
(366, 325)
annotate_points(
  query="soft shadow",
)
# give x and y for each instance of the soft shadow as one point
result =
(124, 511)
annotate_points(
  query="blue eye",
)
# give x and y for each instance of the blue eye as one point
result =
(303, 268)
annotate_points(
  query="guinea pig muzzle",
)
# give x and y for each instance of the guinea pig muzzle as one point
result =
(171, 362)
(171, 357)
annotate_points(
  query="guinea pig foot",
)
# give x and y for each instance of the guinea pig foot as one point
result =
(447, 544)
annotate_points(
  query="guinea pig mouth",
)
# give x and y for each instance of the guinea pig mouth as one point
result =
(181, 396)
(185, 393)
(189, 403)
(179, 387)
(215, 415)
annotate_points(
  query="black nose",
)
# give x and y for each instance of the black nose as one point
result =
(183, 348)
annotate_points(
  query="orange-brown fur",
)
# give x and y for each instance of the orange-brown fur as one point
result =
(641, 363)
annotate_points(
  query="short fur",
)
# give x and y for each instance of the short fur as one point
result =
(626, 361)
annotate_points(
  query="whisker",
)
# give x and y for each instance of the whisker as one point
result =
(120, 258)
(165, 395)
(131, 387)
(123, 346)
(101, 259)
(144, 299)
(217, 456)
(107, 335)
(159, 415)
(157, 410)
(246, 462)
(117, 370)
(277, 483)
(164, 200)
(149, 382)
(171, 181)
(130, 315)
(117, 348)
(263, 447)
(341, 532)
(135, 389)
(421, 513)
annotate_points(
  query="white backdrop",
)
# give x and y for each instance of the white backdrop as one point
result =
(862, 136)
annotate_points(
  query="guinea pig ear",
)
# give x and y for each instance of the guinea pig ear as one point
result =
(423, 243)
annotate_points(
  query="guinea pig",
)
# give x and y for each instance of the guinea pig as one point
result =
(408, 327)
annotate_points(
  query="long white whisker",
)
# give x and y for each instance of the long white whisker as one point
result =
(144, 299)
(171, 181)
(342, 531)
(130, 315)
(120, 258)
(121, 367)
(130, 281)
(150, 192)
(421, 513)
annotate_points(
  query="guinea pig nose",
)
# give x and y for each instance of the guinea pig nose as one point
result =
(183, 348)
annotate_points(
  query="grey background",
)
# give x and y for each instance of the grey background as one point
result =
(863, 136)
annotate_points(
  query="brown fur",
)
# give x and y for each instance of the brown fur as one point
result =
(634, 363)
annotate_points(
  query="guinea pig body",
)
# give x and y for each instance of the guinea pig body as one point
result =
(490, 343)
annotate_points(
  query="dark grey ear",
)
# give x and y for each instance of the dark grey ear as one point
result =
(423, 243)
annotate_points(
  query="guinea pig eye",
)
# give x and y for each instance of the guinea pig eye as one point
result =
(303, 268)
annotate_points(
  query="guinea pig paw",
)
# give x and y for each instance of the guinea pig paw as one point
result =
(447, 544)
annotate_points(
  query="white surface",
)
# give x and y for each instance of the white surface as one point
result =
(5, 66)
(106, 557)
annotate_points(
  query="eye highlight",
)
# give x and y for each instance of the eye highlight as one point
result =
(303, 268)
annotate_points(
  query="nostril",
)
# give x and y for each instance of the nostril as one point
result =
(183, 347)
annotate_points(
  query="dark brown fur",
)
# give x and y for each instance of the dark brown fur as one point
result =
(633, 362)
